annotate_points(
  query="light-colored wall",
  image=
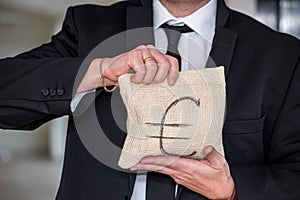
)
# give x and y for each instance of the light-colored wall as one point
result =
(15, 144)
(245, 6)
(20, 31)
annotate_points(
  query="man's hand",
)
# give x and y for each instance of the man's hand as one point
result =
(147, 62)
(209, 177)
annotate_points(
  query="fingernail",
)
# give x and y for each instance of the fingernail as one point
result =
(171, 82)
(207, 150)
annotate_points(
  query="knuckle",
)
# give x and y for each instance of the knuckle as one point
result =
(136, 79)
(141, 47)
(223, 163)
(141, 71)
(189, 166)
(166, 65)
(150, 46)
(173, 60)
(136, 52)
(157, 80)
(150, 64)
(151, 67)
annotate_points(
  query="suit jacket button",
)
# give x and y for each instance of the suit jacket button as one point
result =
(52, 92)
(60, 91)
(45, 92)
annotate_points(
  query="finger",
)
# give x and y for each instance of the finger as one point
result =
(216, 160)
(162, 63)
(152, 167)
(184, 165)
(150, 65)
(176, 175)
(112, 68)
(135, 61)
(162, 161)
(173, 71)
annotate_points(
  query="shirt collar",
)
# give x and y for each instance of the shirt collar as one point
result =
(202, 21)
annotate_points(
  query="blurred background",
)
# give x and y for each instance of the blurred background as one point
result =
(31, 162)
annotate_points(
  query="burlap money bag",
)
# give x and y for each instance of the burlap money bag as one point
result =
(177, 120)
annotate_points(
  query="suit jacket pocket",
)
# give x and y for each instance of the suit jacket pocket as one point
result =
(243, 141)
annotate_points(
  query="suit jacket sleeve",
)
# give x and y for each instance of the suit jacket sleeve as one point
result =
(36, 86)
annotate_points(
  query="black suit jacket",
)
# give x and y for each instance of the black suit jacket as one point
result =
(262, 129)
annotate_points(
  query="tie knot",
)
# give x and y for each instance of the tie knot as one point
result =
(180, 29)
(173, 34)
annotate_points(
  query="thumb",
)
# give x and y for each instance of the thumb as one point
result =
(216, 160)
(112, 68)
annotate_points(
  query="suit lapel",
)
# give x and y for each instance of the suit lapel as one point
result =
(222, 49)
(224, 40)
(139, 25)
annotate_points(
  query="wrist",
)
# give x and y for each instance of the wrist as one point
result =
(108, 84)
(90, 80)
(233, 195)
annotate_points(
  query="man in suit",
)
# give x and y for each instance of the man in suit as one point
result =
(261, 134)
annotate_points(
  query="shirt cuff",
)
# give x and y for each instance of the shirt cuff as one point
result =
(77, 98)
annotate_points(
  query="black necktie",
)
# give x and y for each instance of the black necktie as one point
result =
(173, 34)
(160, 186)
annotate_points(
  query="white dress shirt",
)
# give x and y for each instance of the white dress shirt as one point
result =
(194, 48)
